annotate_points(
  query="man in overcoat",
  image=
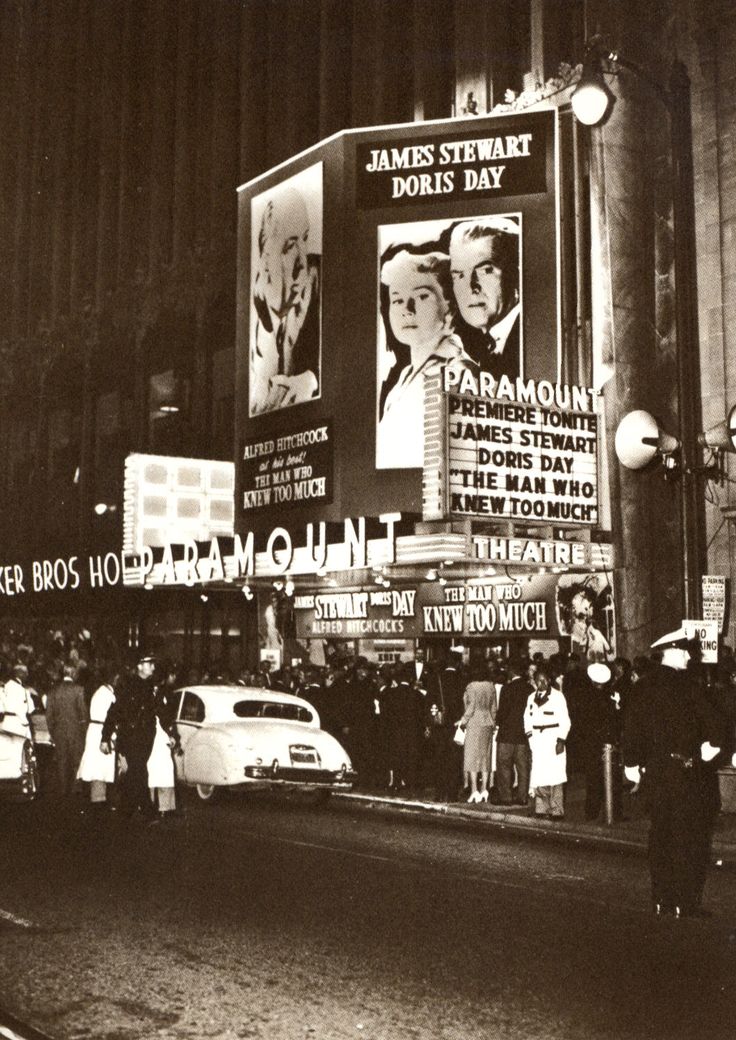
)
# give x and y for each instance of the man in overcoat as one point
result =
(513, 746)
(446, 707)
(66, 717)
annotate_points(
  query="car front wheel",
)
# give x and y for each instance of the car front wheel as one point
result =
(206, 792)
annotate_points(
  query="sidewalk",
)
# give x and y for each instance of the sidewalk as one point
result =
(629, 835)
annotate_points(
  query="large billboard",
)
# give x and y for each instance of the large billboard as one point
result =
(449, 296)
(369, 262)
(285, 284)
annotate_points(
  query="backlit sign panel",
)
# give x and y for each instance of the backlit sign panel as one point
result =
(521, 451)
(171, 500)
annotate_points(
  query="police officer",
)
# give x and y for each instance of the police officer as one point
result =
(133, 717)
(668, 736)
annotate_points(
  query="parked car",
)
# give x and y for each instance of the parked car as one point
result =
(238, 738)
(20, 772)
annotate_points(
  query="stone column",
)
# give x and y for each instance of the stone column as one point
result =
(634, 345)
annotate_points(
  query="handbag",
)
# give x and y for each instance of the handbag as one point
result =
(459, 737)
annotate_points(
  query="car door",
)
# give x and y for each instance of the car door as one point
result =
(189, 719)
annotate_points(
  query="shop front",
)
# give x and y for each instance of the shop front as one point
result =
(491, 615)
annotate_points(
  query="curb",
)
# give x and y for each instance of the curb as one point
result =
(723, 854)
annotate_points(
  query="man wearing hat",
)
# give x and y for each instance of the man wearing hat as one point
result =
(669, 735)
(133, 717)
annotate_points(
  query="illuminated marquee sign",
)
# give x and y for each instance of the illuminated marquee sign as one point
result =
(508, 160)
(291, 469)
(541, 606)
(515, 450)
(172, 500)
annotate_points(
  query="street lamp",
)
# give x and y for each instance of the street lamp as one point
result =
(592, 98)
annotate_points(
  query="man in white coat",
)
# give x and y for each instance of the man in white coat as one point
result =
(547, 724)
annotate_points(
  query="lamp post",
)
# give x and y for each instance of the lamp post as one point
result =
(592, 101)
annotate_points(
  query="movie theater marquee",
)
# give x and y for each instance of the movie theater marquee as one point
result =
(515, 450)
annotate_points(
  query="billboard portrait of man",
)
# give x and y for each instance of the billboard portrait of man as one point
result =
(485, 262)
(285, 324)
(449, 296)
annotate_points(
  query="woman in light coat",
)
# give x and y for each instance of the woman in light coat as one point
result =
(547, 724)
(478, 719)
(96, 769)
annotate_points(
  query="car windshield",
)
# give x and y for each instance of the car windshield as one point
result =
(272, 710)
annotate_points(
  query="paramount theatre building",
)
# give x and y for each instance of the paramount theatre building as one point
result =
(368, 336)
(414, 479)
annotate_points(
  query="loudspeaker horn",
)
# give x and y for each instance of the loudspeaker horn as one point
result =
(722, 436)
(639, 439)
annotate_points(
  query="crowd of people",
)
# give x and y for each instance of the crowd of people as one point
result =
(507, 732)
(490, 730)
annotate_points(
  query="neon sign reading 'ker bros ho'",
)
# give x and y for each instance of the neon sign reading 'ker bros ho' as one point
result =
(520, 450)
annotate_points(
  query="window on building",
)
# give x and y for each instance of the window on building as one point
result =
(223, 403)
(21, 450)
(168, 407)
(63, 445)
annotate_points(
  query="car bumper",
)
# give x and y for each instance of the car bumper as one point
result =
(341, 779)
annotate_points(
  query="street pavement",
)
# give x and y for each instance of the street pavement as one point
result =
(264, 916)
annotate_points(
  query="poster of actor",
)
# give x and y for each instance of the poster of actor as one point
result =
(449, 295)
(285, 314)
(584, 608)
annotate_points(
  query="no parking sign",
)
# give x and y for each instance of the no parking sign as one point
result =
(707, 633)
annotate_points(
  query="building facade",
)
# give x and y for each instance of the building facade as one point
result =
(128, 130)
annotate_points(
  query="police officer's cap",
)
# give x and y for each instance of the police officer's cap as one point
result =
(599, 672)
(679, 639)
